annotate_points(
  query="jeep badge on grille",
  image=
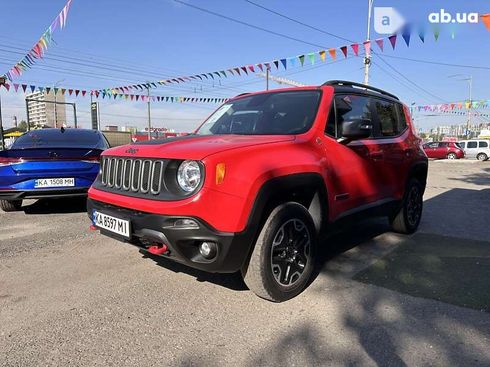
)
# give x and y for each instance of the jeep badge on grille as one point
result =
(132, 150)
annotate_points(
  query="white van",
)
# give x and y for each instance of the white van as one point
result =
(479, 149)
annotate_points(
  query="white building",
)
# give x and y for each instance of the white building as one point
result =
(43, 111)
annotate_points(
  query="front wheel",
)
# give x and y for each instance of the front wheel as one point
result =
(407, 219)
(482, 157)
(451, 156)
(282, 261)
(10, 205)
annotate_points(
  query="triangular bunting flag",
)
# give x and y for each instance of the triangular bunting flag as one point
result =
(244, 68)
(24, 87)
(380, 43)
(83, 93)
(355, 48)
(333, 53)
(33, 88)
(251, 68)
(301, 59)
(344, 50)
(276, 63)
(260, 67)
(406, 35)
(367, 47)
(311, 56)
(322, 55)
(486, 20)
(284, 63)
(392, 40)
(16, 87)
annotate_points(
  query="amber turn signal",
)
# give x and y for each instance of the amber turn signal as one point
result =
(220, 173)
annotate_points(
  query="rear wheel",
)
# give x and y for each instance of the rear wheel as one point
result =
(10, 205)
(406, 220)
(282, 261)
(482, 157)
(451, 156)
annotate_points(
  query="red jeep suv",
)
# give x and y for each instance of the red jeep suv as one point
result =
(261, 178)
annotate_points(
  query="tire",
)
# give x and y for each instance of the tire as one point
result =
(407, 219)
(287, 274)
(10, 205)
(482, 157)
(452, 156)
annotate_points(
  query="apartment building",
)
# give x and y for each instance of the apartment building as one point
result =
(43, 111)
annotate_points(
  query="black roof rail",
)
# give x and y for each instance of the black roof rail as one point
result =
(241, 94)
(359, 85)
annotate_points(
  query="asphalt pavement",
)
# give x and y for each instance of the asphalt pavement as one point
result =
(69, 296)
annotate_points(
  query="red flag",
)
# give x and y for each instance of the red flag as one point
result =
(260, 67)
(344, 50)
(355, 48)
(380, 43)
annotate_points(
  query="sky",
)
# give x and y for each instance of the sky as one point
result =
(113, 43)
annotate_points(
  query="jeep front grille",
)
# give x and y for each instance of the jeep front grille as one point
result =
(133, 175)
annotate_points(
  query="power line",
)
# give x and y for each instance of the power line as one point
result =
(408, 80)
(298, 22)
(247, 24)
(438, 63)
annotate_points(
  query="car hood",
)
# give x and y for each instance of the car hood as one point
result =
(194, 146)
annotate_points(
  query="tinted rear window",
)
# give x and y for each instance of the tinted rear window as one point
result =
(472, 144)
(55, 138)
(482, 144)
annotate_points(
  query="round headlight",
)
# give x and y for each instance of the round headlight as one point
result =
(189, 176)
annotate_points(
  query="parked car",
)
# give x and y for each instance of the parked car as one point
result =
(49, 163)
(479, 149)
(263, 176)
(443, 150)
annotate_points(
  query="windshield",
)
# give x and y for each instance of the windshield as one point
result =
(56, 138)
(278, 113)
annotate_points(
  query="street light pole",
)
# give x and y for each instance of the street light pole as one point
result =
(367, 57)
(2, 81)
(470, 80)
(149, 113)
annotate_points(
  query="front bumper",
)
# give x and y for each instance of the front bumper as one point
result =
(148, 229)
(42, 193)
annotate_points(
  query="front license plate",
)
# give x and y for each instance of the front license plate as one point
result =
(54, 182)
(112, 224)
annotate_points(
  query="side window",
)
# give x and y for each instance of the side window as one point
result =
(482, 144)
(402, 120)
(462, 144)
(330, 129)
(472, 144)
(351, 107)
(387, 116)
(443, 145)
(433, 145)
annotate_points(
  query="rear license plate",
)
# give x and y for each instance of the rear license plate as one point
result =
(54, 182)
(112, 224)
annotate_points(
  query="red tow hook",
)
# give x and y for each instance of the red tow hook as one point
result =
(93, 228)
(157, 249)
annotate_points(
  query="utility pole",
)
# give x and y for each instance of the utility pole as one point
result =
(2, 82)
(266, 78)
(149, 113)
(367, 57)
(470, 80)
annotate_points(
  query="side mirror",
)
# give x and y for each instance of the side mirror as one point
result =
(356, 129)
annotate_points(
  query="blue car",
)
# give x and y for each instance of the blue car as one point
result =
(49, 163)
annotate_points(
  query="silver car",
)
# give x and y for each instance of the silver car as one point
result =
(479, 149)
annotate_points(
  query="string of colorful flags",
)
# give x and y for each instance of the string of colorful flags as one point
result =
(460, 113)
(287, 62)
(38, 50)
(96, 94)
(452, 106)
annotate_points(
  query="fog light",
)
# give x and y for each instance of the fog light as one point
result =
(208, 249)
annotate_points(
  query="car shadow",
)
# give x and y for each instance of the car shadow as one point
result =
(57, 206)
(231, 281)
